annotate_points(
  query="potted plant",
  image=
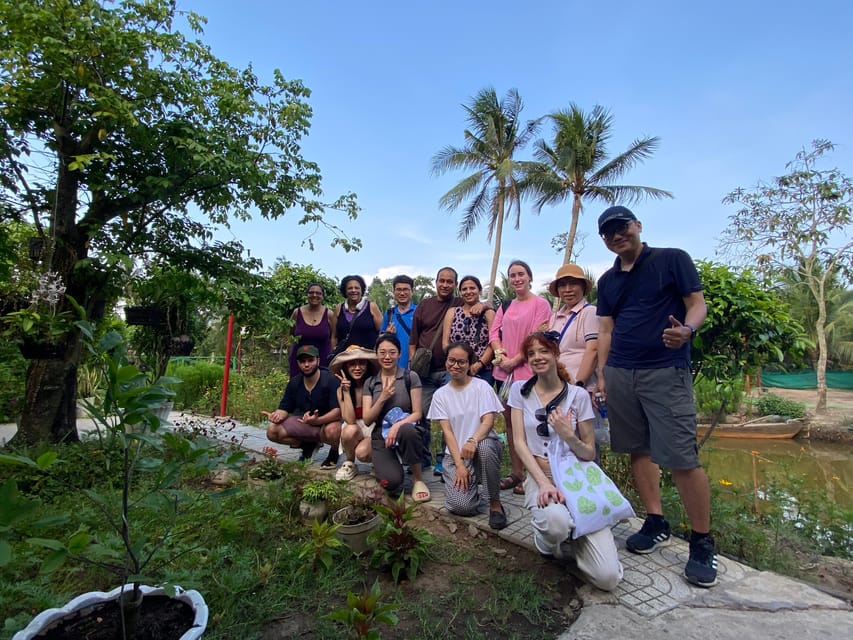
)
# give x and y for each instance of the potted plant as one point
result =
(316, 496)
(130, 398)
(41, 329)
(359, 517)
(267, 470)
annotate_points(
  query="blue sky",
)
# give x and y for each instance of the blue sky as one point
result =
(733, 89)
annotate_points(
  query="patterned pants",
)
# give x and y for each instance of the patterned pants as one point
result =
(485, 467)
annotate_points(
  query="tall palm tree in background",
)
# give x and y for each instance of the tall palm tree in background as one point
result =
(575, 165)
(495, 133)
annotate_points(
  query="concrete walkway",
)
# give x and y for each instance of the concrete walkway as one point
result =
(654, 600)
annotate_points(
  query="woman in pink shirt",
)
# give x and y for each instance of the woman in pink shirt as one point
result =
(524, 315)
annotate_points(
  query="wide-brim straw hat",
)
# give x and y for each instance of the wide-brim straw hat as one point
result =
(570, 271)
(354, 352)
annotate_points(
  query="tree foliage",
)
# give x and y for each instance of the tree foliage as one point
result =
(122, 137)
(800, 222)
(746, 328)
(575, 165)
(494, 135)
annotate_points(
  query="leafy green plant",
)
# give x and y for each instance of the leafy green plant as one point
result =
(715, 398)
(398, 545)
(772, 405)
(270, 468)
(197, 379)
(160, 459)
(321, 548)
(320, 491)
(362, 613)
(250, 394)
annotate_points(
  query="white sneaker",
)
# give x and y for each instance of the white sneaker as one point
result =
(347, 471)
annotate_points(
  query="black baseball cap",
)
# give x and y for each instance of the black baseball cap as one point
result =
(615, 214)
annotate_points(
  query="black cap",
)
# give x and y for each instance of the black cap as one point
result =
(617, 213)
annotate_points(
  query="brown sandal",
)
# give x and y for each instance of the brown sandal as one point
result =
(510, 482)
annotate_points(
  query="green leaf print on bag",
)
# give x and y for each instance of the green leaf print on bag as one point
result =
(585, 505)
(574, 487)
(594, 476)
(605, 511)
(614, 497)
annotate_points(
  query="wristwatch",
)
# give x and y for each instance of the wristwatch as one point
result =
(692, 329)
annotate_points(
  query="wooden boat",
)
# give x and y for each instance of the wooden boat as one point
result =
(755, 429)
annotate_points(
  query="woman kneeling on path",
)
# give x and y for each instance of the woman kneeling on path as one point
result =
(545, 407)
(352, 368)
(392, 400)
(466, 408)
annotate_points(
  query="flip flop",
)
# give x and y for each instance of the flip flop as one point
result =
(511, 481)
(420, 492)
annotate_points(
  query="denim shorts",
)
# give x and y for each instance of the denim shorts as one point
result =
(651, 411)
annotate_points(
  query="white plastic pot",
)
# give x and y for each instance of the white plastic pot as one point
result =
(50, 616)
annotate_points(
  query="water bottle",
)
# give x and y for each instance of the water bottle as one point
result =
(602, 426)
(602, 406)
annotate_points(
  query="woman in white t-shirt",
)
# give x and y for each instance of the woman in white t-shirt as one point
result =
(547, 406)
(466, 407)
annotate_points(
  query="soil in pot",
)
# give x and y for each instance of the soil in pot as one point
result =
(160, 618)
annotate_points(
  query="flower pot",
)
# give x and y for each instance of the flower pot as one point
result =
(82, 411)
(164, 410)
(42, 350)
(94, 604)
(144, 316)
(354, 535)
(313, 510)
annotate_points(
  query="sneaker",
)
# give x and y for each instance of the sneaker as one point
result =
(438, 469)
(348, 471)
(649, 537)
(701, 568)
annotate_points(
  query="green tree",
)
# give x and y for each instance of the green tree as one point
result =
(494, 135)
(746, 328)
(115, 128)
(575, 165)
(801, 222)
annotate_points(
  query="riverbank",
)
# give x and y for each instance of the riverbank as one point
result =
(836, 425)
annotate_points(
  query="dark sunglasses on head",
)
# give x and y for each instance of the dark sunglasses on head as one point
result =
(542, 414)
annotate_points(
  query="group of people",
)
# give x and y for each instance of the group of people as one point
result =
(549, 373)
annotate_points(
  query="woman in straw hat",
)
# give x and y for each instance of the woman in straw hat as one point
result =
(352, 367)
(577, 324)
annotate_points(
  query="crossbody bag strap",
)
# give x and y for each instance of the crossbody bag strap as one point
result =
(408, 330)
(574, 315)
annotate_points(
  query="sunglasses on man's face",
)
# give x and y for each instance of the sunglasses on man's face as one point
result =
(614, 229)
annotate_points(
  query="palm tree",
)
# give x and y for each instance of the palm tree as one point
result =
(575, 165)
(494, 134)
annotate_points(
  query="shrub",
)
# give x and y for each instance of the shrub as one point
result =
(201, 380)
(248, 395)
(711, 397)
(772, 405)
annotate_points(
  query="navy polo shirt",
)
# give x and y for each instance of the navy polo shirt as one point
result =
(655, 292)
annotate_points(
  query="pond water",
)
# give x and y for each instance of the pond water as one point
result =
(822, 466)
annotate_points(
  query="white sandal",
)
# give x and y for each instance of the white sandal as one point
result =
(347, 471)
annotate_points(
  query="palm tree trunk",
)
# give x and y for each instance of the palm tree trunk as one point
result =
(496, 254)
(573, 229)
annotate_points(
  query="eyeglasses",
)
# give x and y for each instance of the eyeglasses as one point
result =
(391, 353)
(616, 228)
(455, 362)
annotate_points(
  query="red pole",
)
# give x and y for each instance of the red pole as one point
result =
(226, 370)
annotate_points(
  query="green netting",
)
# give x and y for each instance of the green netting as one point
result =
(807, 380)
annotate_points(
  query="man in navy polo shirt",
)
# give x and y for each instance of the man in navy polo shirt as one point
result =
(651, 304)
(308, 413)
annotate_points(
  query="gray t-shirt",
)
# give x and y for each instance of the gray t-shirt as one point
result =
(405, 381)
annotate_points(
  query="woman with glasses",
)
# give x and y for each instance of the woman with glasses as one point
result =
(312, 325)
(392, 400)
(466, 408)
(460, 325)
(353, 367)
(524, 315)
(544, 407)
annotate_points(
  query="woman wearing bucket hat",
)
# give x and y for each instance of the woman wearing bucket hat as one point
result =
(577, 324)
(353, 367)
